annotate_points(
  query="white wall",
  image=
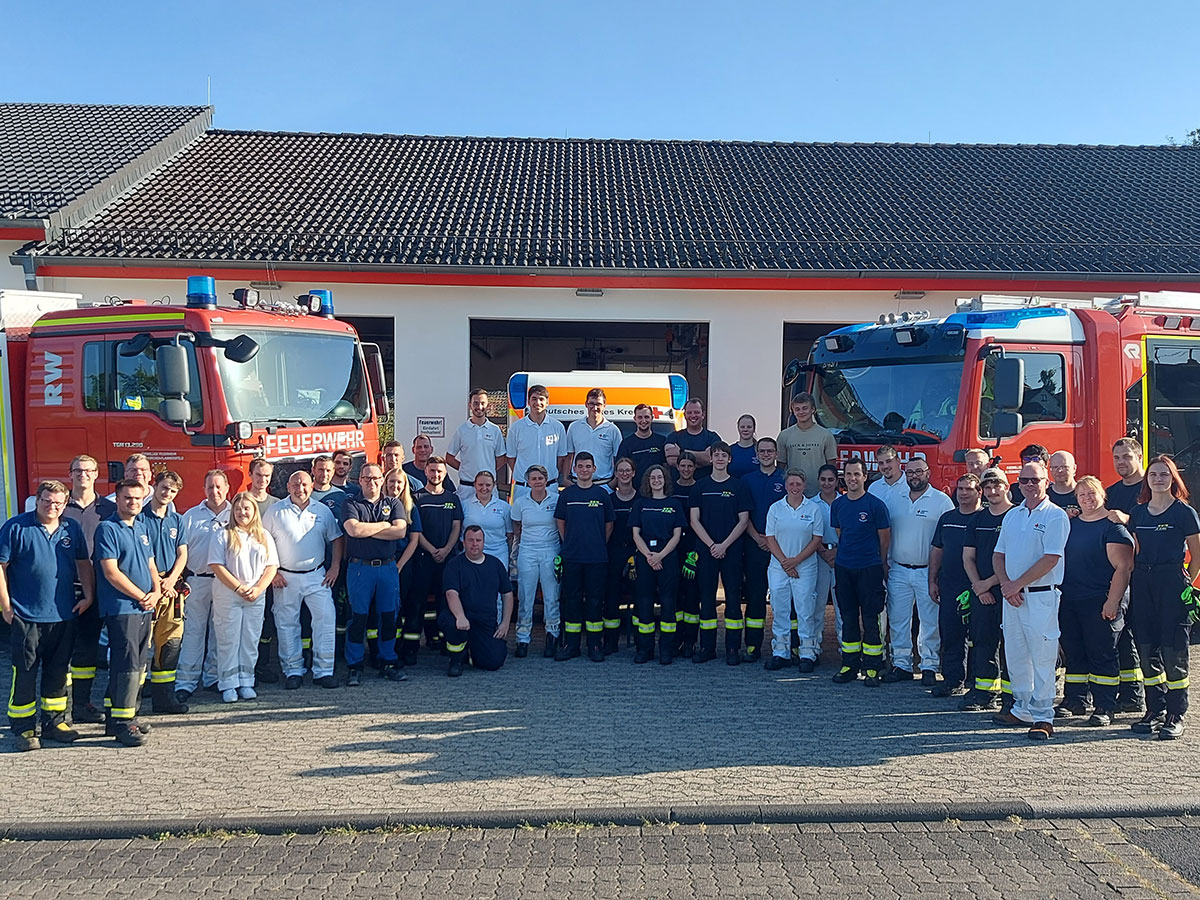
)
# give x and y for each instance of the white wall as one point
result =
(433, 332)
(11, 277)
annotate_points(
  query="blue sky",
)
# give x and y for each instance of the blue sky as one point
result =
(1011, 72)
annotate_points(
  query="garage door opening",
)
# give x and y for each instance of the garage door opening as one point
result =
(500, 347)
(798, 339)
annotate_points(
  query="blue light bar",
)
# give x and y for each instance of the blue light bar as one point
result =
(518, 387)
(679, 391)
(201, 292)
(320, 302)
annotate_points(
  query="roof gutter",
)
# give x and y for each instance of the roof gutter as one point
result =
(554, 276)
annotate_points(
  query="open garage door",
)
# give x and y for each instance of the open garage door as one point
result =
(798, 338)
(500, 347)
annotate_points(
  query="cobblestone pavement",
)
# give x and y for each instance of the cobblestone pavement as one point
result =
(1005, 859)
(585, 736)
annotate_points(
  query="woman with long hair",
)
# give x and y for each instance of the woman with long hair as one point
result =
(398, 486)
(1165, 528)
(657, 523)
(244, 561)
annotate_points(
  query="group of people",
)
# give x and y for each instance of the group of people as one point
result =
(610, 532)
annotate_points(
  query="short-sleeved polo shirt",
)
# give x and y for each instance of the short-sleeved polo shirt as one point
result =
(793, 528)
(530, 443)
(1029, 534)
(476, 448)
(302, 536)
(129, 545)
(858, 523)
(384, 509)
(913, 524)
(167, 534)
(602, 442)
(41, 566)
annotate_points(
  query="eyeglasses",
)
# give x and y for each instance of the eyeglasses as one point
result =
(1029, 459)
(85, 471)
(50, 502)
(1031, 480)
(371, 478)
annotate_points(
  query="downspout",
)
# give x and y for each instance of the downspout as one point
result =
(27, 263)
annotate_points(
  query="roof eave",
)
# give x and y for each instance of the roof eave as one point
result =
(260, 267)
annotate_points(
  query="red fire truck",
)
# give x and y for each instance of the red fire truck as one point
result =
(194, 387)
(1004, 372)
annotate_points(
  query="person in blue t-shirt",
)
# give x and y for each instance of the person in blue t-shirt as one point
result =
(864, 533)
(128, 590)
(41, 554)
(585, 522)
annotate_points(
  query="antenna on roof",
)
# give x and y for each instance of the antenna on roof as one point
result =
(209, 91)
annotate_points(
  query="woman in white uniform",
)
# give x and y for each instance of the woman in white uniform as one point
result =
(537, 546)
(244, 561)
(491, 514)
(795, 531)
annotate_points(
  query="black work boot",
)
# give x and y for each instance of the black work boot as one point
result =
(82, 709)
(263, 670)
(163, 700)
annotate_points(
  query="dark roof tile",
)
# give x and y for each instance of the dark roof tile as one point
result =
(657, 205)
(52, 153)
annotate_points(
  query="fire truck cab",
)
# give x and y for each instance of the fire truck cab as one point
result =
(194, 388)
(1003, 372)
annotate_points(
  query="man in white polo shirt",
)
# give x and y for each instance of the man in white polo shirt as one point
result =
(198, 649)
(597, 436)
(914, 515)
(1029, 563)
(892, 484)
(536, 440)
(304, 531)
(476, 445)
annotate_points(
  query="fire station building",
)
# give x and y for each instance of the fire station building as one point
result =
(470, 258)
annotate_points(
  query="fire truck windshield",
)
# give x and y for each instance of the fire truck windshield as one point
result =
(888, 402)
(297, 377)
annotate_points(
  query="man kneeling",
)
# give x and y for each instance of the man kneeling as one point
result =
(478, 590)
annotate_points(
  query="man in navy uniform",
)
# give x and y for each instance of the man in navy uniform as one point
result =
(42, 553)
(479, 601)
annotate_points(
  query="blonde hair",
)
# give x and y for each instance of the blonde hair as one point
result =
(404, 495)
(1091, 481)
(254, 529)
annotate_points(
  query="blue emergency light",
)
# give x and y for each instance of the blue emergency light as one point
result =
(201, 292)
(320, 302)
(679, 391)
(518, 387)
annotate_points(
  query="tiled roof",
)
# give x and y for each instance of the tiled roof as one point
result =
(657, 205)
(53, 153)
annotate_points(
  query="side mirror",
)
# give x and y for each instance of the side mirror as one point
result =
(375, 376)
(172, 365)
(1007, 424)
(241, 349)
(176, 410)
(135, 346)
(791, 372)
(1008, 389)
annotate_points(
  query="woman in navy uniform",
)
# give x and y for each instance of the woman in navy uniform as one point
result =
(657, 525)
(1165, 527)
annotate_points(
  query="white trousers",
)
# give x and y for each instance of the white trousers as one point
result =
(907, 588)
(790, 595)
(198, 647)
(305, 588)
(1031, 650)
(536, 566)
(239, 626)
(826, 585)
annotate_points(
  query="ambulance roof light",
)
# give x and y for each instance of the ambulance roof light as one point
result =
(201, 292)
(517, 388)
(679, 391)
